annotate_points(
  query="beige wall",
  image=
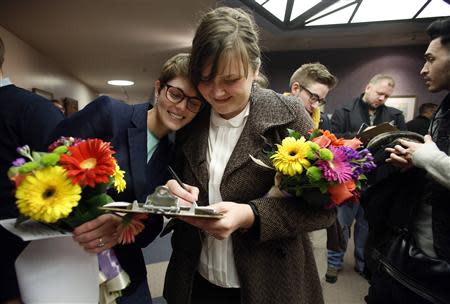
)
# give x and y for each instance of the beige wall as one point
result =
(27, 68)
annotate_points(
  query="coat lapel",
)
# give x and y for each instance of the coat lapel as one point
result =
(258, 122)
(195, 148)
(137, 139)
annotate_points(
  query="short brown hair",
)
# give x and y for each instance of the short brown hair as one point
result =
(175, 66)
(378, 77)
(313, 72)
(222, 33)
(2, 52)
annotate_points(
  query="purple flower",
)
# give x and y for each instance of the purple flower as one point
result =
(19, 162)
(338, 169)
(64, 141)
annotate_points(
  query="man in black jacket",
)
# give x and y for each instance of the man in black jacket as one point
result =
(417, 269)
(421, 123)
(368, 109)
(26, 119)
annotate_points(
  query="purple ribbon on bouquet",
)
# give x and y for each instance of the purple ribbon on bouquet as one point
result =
(109, 264)
(112, 277)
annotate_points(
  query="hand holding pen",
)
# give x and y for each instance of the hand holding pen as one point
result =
(185, 192)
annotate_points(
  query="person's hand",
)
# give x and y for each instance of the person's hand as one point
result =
(235, 216)
(401, 155)
(187, 197)
(99, 234)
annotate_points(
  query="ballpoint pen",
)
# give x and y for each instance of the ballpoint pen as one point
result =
(175, 176)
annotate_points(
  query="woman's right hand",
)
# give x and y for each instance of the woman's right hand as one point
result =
(187, 196)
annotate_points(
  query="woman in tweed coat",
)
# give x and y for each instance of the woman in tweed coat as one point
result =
(259, 252)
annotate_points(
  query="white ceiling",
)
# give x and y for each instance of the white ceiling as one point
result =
(99, 40)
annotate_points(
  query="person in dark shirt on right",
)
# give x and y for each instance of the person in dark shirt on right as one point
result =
(25, 119)
(368, 109)
(413, 248)
(421, 123)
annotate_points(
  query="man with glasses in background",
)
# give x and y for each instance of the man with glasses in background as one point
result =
(368, 109)
(311, 84)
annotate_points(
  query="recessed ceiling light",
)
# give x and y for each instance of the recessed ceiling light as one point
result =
(121, 83)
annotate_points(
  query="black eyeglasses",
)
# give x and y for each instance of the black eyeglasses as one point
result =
(313, 97)
(176, 95)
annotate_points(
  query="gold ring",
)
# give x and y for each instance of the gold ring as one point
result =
(100, 243)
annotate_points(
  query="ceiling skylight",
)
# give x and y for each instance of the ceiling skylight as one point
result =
(384, 10)
(300, 7)
(331, 8)
(276, 8)
(298, 13)
(437, 8)
(340, 17)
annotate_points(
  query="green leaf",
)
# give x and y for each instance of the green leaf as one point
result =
(314, 174)
(315, 133)
(28, 167)
(13, 171)
(325, 154)
(60, 150)
(293, 133)
(99, 200)
(49, 159)
(89, 192)
(36, 156)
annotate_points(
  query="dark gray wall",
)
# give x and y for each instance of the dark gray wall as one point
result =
(354, 68)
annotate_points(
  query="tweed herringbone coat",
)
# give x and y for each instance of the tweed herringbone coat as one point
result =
(277, 265)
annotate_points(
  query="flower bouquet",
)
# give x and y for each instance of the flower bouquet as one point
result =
(65, 187)
(326, 171)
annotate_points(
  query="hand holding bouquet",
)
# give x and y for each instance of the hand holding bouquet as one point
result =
(324, 170)
(65, 187)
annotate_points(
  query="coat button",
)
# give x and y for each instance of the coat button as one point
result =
(281, 252)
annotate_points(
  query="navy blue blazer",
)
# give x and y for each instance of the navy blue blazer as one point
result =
(25, 119)
(125, 126)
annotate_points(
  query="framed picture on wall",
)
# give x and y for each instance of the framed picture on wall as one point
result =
(406, 104)
(42, 93)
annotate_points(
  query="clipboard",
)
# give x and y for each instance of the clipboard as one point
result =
(198, 212)
(367, 135)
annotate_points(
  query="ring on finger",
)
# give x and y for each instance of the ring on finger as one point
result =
(100, 243)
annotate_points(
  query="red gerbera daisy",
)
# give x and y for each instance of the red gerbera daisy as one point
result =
(132, 225)
(89, 163)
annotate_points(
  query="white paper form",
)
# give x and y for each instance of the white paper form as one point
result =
(31, 230)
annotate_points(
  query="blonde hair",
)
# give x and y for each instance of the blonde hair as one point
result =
(313, 72)
(378, 77)
(224, 33)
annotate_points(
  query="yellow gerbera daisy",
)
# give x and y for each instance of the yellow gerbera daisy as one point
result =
(119, 182)
(48, 195)
(290, 158)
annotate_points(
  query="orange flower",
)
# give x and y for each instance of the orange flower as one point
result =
(89, 163)
(322, 141)
(334, 140)
(342, 192)
(354, 143)
(130, 227)
(18, 179)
